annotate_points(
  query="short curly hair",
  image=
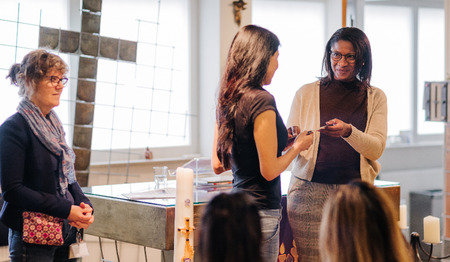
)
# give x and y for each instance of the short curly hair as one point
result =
(34, 66)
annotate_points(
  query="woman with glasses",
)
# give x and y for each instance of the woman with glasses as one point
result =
(348, 118)
(36, 164)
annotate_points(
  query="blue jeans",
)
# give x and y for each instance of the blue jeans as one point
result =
(270, 227)
(20, 251)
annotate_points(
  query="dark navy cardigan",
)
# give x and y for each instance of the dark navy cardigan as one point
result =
(29, 175)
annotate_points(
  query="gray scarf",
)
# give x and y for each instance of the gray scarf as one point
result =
(50, 132)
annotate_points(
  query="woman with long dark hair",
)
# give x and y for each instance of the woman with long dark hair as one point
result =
(350, 117)
(230, 229)
(250, 135)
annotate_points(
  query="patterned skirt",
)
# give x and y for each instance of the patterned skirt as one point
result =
(305, 203)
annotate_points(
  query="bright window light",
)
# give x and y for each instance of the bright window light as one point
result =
(302, 45)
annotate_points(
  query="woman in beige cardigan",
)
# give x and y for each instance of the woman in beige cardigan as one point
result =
(349, 121)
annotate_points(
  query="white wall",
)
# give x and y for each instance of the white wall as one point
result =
(216, 31)
(209, 70)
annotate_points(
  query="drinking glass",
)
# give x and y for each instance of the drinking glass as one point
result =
(160, 173)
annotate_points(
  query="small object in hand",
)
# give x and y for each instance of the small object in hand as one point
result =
(332, 124)
(325, 126)
(290, 140)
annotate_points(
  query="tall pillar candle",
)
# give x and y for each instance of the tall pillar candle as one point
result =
(184, 208)
(431, 230)
(403, 217)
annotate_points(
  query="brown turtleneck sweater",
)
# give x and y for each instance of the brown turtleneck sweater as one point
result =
(337, 162)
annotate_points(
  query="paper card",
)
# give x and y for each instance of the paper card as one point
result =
(78, 250)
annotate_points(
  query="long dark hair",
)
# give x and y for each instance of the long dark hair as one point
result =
(246, 68)
(361, 44)
(230, 229)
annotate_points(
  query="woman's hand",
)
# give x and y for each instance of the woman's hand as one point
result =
(337, 128)
(293, 131)
(81, 224)
(217, 166)
(303, 141)
(81, 216)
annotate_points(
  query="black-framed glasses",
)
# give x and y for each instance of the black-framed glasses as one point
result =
(56, 80)
(350, 58)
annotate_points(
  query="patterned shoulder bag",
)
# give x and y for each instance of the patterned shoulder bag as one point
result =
(42, 229)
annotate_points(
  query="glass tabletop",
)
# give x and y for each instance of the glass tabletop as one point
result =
(144, 192)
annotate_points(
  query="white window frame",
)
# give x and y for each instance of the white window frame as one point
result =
(166, 153)
(73, 23)
(414, 137)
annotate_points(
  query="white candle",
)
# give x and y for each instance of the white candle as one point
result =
(403, 217)
(184, 208)
(431, 230)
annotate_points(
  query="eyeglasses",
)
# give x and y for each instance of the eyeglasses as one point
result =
(55, 80)
(338, 56)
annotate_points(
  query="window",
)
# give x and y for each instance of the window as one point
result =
(430, 61)
(144, 103)
(19, 28)
(392, 62)
(407, 42)
(302, 45)
(140, 104)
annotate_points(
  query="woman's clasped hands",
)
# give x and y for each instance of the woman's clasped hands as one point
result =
(81, 216)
